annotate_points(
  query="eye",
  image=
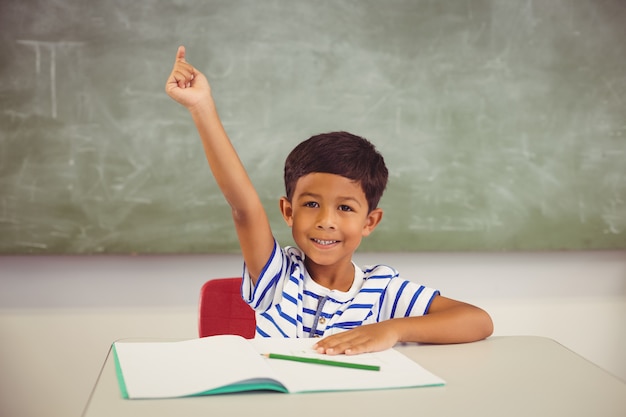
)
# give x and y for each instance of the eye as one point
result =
(311, 204)
(345, 207)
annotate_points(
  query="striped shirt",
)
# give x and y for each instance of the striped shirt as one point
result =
(288, 303)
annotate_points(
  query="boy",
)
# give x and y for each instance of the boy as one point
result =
(333, 184)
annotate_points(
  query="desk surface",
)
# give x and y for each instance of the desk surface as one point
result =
(511, 376)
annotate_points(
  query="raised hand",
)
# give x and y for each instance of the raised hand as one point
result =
(186, 84)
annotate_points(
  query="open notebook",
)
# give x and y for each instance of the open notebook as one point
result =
(225, 364)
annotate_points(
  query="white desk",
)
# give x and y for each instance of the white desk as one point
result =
(501, 376)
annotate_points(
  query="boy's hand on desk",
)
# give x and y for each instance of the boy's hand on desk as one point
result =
(187, 85)
(366, 338)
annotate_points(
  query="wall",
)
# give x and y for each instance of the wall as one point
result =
(58, 315)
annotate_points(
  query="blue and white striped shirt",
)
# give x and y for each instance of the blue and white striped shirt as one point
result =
(288, 303)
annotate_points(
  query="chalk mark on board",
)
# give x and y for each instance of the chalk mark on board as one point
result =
(52, 48)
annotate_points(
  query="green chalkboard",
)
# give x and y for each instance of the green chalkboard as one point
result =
(503, 122)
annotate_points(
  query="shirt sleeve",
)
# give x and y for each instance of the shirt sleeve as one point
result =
(263, 295)
(405, 298)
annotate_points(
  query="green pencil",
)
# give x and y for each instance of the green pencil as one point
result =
(323, 362)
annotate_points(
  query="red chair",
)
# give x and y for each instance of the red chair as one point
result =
(223, 311)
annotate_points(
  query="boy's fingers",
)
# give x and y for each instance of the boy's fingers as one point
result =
(180, 54)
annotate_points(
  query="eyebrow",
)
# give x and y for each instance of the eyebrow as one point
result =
(341, 198)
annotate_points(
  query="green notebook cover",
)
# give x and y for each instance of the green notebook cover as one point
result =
(227, 389)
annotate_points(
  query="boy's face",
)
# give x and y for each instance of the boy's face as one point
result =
(329, 216)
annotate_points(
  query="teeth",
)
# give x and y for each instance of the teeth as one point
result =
(325, 242)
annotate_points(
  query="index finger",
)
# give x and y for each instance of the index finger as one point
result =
(180, 54)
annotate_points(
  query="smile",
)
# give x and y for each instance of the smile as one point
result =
(324, 242)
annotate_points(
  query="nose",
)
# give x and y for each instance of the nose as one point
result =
(326, 219)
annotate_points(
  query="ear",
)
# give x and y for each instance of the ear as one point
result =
(373, 218)
(286, 210)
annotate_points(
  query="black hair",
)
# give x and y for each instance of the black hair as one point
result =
(339, 153)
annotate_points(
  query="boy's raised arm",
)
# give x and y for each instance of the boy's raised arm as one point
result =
(189, 87)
